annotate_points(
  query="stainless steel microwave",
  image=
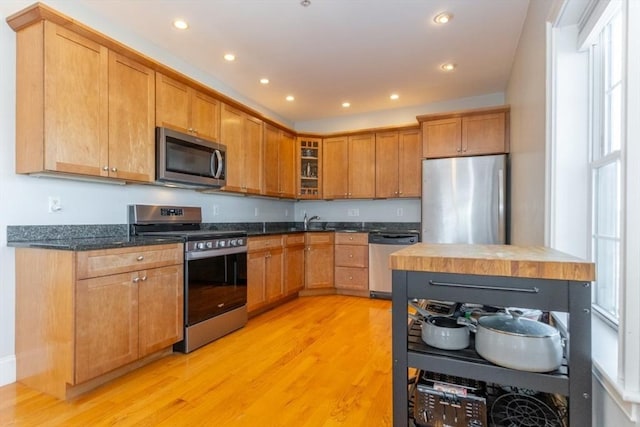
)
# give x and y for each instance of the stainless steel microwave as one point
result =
(187, 160)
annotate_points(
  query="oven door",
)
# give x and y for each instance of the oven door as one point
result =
(215, 282)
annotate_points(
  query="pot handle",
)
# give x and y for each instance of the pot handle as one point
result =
(470, 323)
(420, 310)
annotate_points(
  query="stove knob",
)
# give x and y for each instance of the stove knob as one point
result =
(233, 242)
(221, 243)
(200, 245)
(209, 245)
(240, 242)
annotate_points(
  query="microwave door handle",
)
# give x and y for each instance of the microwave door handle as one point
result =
(216, 159)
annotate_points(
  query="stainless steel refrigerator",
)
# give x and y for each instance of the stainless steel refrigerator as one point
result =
(464, 200)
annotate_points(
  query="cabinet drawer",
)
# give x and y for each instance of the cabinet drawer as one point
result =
(352, 256)
(264, 242)
(352, 238)
(352, 278)
(319, 238)
(294, 239)
(113, 261)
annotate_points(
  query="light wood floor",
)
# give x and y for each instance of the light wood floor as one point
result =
(315, 361)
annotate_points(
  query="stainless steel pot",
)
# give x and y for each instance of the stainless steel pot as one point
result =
(514, 342)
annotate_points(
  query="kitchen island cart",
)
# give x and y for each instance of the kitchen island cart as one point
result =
(497, 275)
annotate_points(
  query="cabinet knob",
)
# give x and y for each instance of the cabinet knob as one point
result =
(350, 256)
(140, 257)
(143, 278)
(136, 279)
(190, 130)
(350, 278)
(105, 168)
(114, 169)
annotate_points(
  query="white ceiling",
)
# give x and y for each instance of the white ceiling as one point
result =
(333, 51)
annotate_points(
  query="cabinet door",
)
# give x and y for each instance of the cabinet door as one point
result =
(442, 138)
(287, 165)
(387, 164)
(294, 269)
(160, 313)
(409, 163)
(271, 160)
(483, 134)
(75, 103)
(335, 165)
(256, 270)
(232, 133)
(274, 288)
(205, 116)
(106, 324)
(131, 120)
(172, 104)
(253, 154)
(362, 166)
(319, 260)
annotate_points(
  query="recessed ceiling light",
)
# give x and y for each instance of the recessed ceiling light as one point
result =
(346, 104)
(443, 18)
(229, 57)
(305, 3)
(264, 81)
(290, 98)
(448, 66)
(394, 96)
(180, 24)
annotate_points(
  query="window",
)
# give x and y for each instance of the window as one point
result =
(606, 141)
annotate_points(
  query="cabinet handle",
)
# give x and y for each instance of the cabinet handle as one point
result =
(114, 169)
(140, 258)
(533, 290)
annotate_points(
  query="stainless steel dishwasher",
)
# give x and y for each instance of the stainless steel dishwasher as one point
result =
(381, 245)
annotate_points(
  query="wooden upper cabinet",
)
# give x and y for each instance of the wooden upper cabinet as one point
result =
(362, 163)
(87, 113)
(309, 168)
(335, 166)
(387, 173)
(466, 133)
(131, 119)
(484, 134)
(242, 135)
(279, 162)
(183, 108)
(409, 163)
(348, 167)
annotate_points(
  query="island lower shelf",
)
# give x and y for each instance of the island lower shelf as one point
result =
(468, 363)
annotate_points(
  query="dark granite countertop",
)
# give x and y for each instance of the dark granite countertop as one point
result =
(92, 237)
(94, 243)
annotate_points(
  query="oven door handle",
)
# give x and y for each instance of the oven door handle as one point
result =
(189, 256)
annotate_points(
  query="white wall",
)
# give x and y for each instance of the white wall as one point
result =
(526, 93)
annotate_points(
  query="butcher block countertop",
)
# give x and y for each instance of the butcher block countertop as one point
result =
(536, 262)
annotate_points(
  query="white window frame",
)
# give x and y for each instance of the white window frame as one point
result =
(616, 351)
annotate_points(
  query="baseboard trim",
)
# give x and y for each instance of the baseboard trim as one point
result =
(7, 370)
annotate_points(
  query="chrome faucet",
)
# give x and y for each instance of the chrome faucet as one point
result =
(308, 220)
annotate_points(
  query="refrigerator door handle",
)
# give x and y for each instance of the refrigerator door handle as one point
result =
(501, 206)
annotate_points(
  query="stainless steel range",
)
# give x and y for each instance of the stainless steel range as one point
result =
(215, 270)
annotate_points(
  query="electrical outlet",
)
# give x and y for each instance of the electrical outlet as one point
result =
(55, 204)
(216, 210)
(353, 212)
(399, 212)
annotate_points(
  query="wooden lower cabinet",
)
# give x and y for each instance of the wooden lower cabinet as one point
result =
(265, 285)
(318, 260)
(293, 263)
(352, 262)
(73, 331)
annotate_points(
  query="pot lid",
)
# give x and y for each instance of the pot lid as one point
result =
(513, 324)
